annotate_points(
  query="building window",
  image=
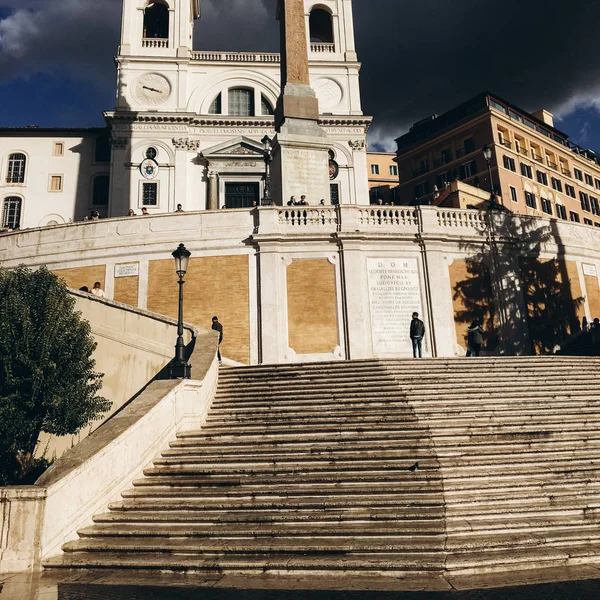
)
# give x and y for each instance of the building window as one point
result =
(422, 189)
(320, 25)
(588, 222)
(597, 182)
(557, 184)
(215, 107)
(585, 202)
(570, 190)
(16, 168)
(578, 174)
(526, 171)
(394, 170)
(513, 194)
(468, 170)
(11, 212)
(102, 149)
(334, 194)
(573, 216)
(561, 212)
(542, 177)
(241, 102)
(442, 179)
(101, 190)
(149, 194)
(595, 205)
(56, 183)
(589, 179)
(265, 107)
(58, 149)
(530, 200)
(156, 21)
(546, 206)
(469, 145)
(374, 169)
(446, 157)
(509, 163)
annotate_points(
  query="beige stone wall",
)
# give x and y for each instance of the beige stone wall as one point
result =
(215, 285)
(312, 306)
(79, 276)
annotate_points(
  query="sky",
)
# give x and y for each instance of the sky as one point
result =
(419, 58)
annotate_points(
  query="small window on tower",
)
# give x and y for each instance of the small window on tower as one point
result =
(58, 149)
(156, 21)
(321, 26)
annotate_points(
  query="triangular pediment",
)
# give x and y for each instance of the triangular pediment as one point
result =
(240, 146)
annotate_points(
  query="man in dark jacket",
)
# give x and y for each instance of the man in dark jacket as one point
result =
(417, 333)
(218, 327)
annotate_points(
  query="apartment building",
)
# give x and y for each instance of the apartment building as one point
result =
(383, 177)
(535, 168)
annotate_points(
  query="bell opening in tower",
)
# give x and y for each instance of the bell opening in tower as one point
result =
(156, 21)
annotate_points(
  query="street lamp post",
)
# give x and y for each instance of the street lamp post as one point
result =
(179, 367)
(487, 154)
(268, 158)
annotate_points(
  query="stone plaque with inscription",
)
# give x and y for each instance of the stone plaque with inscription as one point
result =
(129, 270)
(394, 294)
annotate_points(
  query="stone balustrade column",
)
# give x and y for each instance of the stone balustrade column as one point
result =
(213, 191)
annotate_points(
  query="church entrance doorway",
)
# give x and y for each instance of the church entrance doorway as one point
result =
(241, 195)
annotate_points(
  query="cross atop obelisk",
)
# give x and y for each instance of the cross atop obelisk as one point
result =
(300, 148)
(297, 100)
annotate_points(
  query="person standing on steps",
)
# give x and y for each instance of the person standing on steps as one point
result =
(417, 333)
(474, 339)
(216, 326)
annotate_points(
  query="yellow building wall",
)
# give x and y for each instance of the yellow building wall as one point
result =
(593, 295)
(214, 286)
(79, 276)
(472, 298)
(312, 306)
(126, 290)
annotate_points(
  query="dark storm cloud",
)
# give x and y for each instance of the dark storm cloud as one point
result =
(419, 57)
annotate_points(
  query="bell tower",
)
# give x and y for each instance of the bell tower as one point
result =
(330, 28)
(161, 28)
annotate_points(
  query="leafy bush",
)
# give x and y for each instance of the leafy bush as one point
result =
(47, 378)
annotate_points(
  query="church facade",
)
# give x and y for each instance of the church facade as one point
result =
(189, 127)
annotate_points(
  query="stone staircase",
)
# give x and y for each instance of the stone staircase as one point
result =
(403, 468)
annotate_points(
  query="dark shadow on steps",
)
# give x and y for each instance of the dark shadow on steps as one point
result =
(570, 590)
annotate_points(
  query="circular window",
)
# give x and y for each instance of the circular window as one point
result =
(151, 153)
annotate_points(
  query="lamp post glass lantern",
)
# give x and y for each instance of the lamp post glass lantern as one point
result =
(179, 367)
(268, 158)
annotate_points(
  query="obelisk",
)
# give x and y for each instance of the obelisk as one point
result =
(300, 148)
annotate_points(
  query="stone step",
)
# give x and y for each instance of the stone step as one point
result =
(358, 529)
(396, 564)
(420, 514)
(403, 421)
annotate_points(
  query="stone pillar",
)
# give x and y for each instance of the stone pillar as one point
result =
(300, 149)
(213, 191)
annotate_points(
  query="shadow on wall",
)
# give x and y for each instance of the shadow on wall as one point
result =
(507, 275)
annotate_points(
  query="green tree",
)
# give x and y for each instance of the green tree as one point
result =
(47, 378)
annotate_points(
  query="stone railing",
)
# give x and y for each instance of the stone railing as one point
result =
(462, 218)
(262, 57)
(320, 48)
(326, 217)
(155, 43)
(387, 216)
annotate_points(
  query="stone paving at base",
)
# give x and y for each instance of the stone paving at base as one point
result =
(573, 583)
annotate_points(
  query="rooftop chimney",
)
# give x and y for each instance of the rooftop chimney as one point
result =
(545, 116)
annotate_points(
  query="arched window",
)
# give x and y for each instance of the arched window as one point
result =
(16, 168)
(100, 190)
(156, 21)
(241, 102)
(11, 212)
(265, 107)
(321, 26)
(215, 107)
